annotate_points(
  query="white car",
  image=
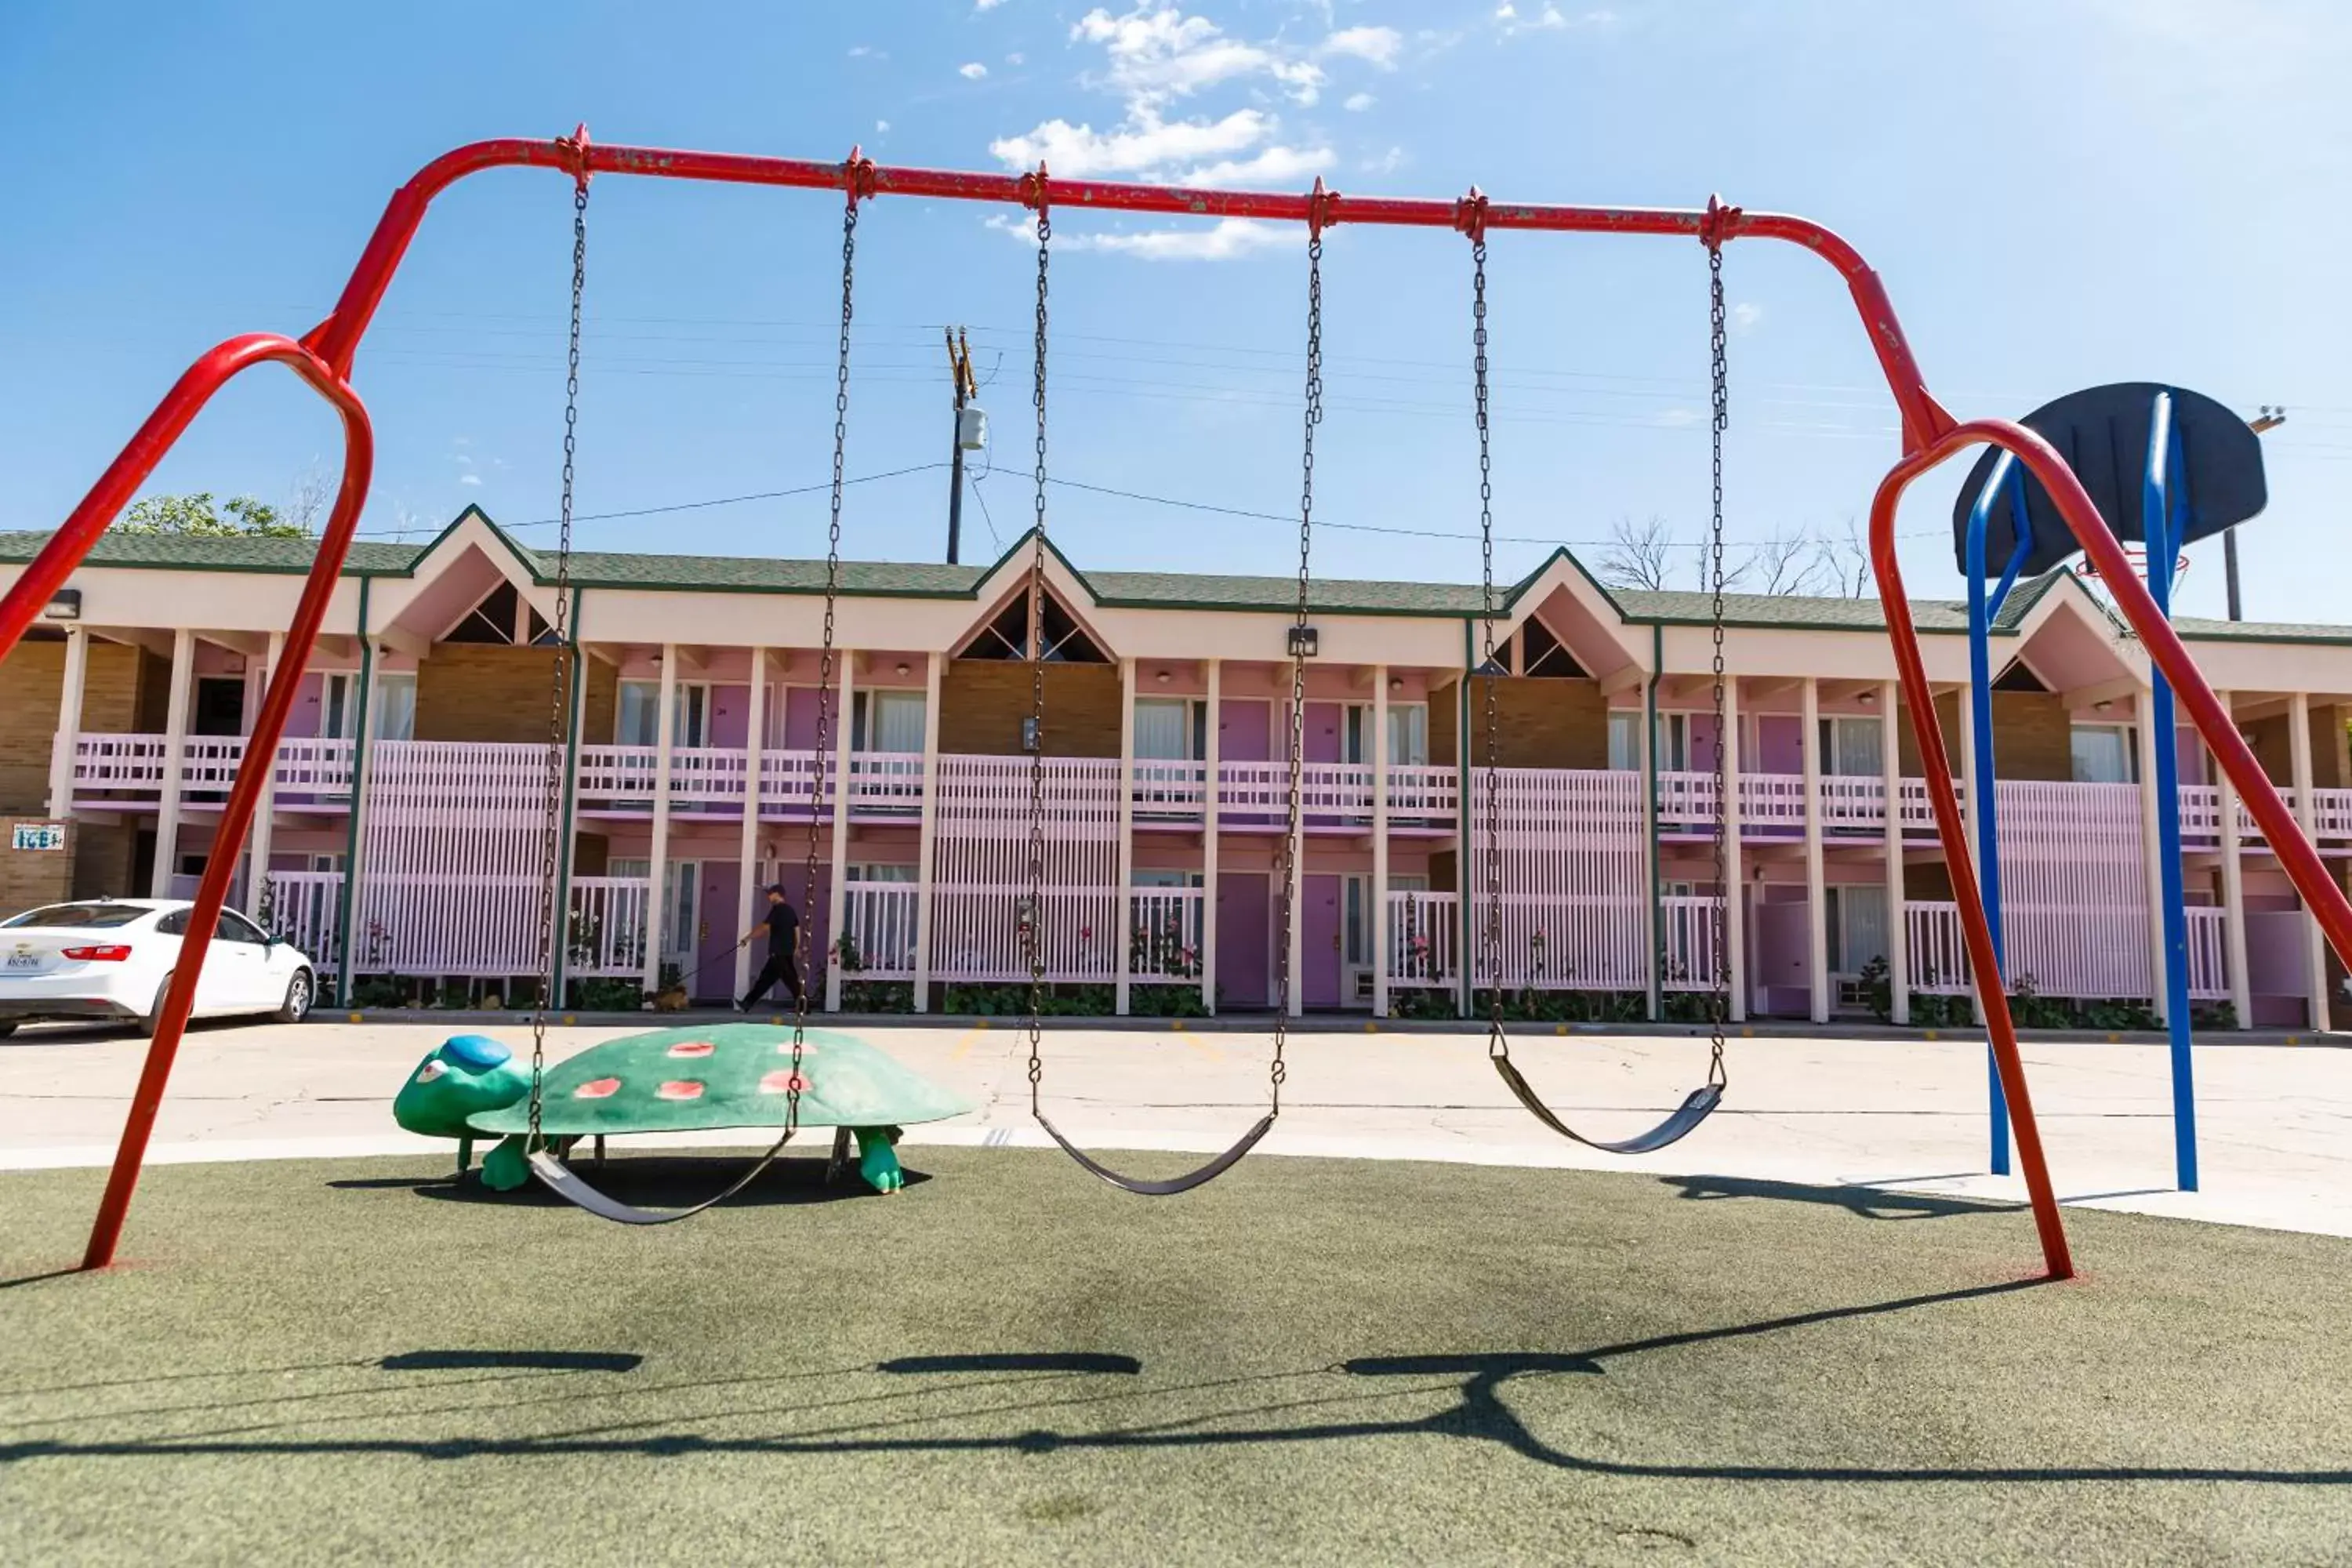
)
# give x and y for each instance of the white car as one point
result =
(110, 958)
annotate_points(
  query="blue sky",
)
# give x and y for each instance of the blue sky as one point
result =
(2057, 192)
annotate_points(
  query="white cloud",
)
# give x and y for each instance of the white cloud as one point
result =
(1275, 165)
(880, 126)
(1379, 45)
(1551, 19)
(982, 7)
(1016, 58)
(1386, 164)
(860, 51)
(1358, 102)
(1143, 145)
(1157, 53)
(971, 70)
(1220, 241)
(470, 478)
(1745, 315)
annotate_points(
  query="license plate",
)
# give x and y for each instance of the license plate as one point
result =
(23, 960)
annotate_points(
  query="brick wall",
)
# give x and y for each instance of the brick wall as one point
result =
(2032, 736)
(1539, 723)
(104, 862)
(603, 704)
(466, 691)
(30, 878)
(1444, 719)
(983, 701)
(150, 695)
(2331, 768)
(30, 680)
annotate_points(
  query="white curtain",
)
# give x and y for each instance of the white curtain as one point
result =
(1408, 735)
(2103, 753)
(640, 714)
(1625, 742)
(898, 722)
(1861, 911)
(395, 717)
(1160, 730)
(1855, 749)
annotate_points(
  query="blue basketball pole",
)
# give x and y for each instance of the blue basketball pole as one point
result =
(2005, 480)
(2163, 501)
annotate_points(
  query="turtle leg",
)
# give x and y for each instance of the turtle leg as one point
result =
(877, 1161)
(465, 1153)
(505, 1168)
(840, 1161)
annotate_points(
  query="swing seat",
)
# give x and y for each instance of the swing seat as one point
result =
(1695, 1108)
(1172, 1186)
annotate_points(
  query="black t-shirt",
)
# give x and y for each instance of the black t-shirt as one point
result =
(782, 921)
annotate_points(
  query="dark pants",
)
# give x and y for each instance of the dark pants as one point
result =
(780, 967)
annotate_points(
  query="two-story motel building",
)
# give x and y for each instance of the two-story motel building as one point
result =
(400, 833)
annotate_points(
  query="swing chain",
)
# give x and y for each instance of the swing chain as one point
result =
(1280, 1072)
(1490, 940)
(1032, 917)
(824, 714)
(559, 716)
(1718, 999)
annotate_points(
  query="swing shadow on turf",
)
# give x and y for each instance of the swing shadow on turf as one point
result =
(1480, 1413)
(649, 1181)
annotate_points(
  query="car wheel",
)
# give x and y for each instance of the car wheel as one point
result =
(297, 1006)
(154, 1019)
(7, 1027)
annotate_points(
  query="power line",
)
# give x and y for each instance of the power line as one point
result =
(678, 506)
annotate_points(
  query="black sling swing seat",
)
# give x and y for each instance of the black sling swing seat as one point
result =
(575, 1189)
(1140, 1187)
(1695, 1108)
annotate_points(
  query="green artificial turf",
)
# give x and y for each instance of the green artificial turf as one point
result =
(1324, 1362)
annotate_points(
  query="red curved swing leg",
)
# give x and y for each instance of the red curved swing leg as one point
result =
(49, 572)
(2320, 892)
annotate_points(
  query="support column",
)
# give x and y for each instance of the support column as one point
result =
(837, 904)
(2151, 840)
(175, 737)
(264, 810)
(1735, 875)
(746, 853)
(2314, 941)
(1380, 899)
(1209, 794)
(353, 948)
(68, 741)
(658, 861)
(1972, 795)
(1898, 924)
(1296, 1003)
(1123, 919)
(2234, 891)
(1817, 929)
(926, 850)
(1650, 854)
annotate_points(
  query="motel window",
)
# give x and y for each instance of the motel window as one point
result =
(1625, 742)
(1408, 734)
(394, 718)
(1162, 879)
(1674, 742)
(1168, 729)
(887, 721)
(2106, 754)
(881, 873)
(638, 721)
(1851, 747)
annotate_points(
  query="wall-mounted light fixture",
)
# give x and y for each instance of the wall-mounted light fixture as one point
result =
(2103, 706)
(1396, 683)
(1868, 699)
(1304, 642)
(1161, 678)
(65, 605)
(904, 667)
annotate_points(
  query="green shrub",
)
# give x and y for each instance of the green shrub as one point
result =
(1166, 1002)
(1422, 1001)
(878, 995)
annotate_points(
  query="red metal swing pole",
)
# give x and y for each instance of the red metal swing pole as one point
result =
(325, 355)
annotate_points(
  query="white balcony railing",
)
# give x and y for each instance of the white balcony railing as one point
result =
(1423, 939)
(1164, 935)
(133, 764)
(1170, 788)
(881, 919)
(2209, 967)
(304, 908)
(1423, 793)
(1936, 949)
(606, 936)
(886, 781)
(1694, 959)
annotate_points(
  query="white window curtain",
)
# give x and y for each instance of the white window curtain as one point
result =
(898, 722)
(1860, 928)
(690, 721)
(882, 873)
(2103, 753)
(395, 715)
(1625, 742)
(1163, 730)
(1408, 734)
(1853, 748)
(640, 715)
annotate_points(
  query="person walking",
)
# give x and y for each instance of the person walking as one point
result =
(782, 925)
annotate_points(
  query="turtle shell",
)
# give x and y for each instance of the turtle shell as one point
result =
(724, 1075)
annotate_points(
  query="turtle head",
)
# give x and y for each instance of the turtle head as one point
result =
(469, 1073)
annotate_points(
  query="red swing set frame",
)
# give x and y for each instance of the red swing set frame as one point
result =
(323, 357)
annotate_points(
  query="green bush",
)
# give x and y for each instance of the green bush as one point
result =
(1566, 1006)
(1422, 1001)
(1165, 1002)
(378, 990)
(878, 996)
(2222, 1015)
(607, 994)
(1685, 1007)
(1011, 999)
(1934, 1010)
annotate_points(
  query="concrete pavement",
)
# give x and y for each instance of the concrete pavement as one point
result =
(1908, 1115)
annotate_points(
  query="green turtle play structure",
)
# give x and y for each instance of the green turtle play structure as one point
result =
(671, 1081)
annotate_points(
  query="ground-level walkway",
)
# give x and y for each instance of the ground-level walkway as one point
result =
(1904, 1114)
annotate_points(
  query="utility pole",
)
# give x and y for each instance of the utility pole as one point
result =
(2270, 418)
(971, 434)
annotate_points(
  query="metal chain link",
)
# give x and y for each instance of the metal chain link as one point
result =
(567, 657)
(1280, 1072)
(1032, 917)
(1490, 943)
(1718, 997)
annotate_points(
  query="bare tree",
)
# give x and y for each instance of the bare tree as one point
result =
(1640, 555)
(1846, 561)
(311, 491)
(1787, 563)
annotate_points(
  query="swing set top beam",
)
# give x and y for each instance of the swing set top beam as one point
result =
(336, 340)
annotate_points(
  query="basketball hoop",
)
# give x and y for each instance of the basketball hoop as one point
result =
(2137, 555)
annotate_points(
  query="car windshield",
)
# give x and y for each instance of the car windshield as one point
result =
(95, 915)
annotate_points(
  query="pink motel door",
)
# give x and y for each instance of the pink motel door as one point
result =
(1318, 937)
(1243, 924)
(725, 915)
